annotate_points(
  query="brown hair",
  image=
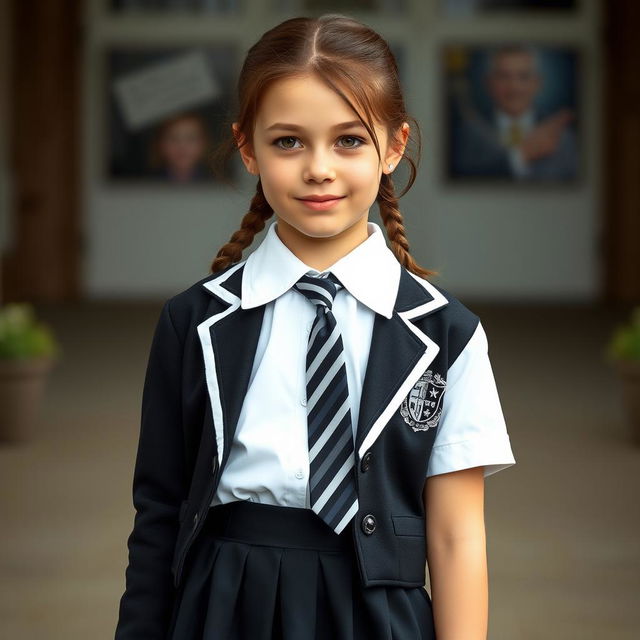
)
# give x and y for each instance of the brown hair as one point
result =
(352, 59)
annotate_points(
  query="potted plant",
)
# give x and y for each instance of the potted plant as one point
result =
(623, 350)
(28, 350)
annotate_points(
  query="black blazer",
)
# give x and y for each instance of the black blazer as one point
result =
(197, 375)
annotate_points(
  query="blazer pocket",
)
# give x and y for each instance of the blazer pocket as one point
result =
(409, 525)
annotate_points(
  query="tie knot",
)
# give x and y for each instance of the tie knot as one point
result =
(321, 291)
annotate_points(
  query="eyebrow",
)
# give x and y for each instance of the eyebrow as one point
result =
(294, 127)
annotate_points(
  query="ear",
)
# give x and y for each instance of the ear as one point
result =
(396, 147)
(246, 151)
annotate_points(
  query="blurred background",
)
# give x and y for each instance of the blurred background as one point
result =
(527, 202)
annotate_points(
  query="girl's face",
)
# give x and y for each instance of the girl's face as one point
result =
(308, 142)
(183, 144)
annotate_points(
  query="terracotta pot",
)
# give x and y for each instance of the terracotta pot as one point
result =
(22, 384)
(629, 372)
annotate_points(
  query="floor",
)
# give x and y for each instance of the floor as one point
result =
(563, 524)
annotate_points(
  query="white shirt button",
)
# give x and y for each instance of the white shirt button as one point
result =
(303, 402)
(299, 474)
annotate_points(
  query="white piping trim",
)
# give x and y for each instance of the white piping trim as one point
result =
(438, 301)
(209, 356)
(431, 352)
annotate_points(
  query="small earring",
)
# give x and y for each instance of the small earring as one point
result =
(390, 166)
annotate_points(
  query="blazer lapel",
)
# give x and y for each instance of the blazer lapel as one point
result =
(399, 355)
(229, 340)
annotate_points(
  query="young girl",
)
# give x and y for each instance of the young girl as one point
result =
(318, 418)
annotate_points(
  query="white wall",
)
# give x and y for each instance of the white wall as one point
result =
(494, 243)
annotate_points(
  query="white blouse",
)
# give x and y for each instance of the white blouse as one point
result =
(268, 460)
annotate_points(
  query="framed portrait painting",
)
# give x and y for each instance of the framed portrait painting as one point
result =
(167, 108)
(492, 7)
(511, 113)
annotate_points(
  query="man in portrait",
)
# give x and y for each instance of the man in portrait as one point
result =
(514, 138)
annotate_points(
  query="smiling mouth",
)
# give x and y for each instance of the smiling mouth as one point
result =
(321, 205)
(322, 199)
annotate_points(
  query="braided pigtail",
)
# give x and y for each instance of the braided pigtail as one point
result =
(394, 224)
(253, 222)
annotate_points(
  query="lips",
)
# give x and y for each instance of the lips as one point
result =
(321, 198)
(321, 203)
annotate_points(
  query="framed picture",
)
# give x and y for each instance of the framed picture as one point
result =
(167, 109)
(341, 6)
(211, 6)
(479, 7)
(511, 112)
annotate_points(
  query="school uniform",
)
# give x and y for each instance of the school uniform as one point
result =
(224, 543)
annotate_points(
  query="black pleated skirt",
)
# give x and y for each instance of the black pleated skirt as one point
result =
(270, 572)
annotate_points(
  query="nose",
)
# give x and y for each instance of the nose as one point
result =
(319, 167)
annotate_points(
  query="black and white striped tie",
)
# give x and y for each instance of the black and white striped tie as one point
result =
(331, 453)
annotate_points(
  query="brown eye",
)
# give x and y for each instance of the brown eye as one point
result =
(359, 142)
(284, 138)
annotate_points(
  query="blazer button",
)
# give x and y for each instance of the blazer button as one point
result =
(195, 520)
(366, 461)
(368, 524)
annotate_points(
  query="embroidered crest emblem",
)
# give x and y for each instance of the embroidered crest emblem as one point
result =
(422, 407)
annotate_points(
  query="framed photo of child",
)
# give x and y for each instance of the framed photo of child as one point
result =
(219, 7)
(511, 113)
(167, 109)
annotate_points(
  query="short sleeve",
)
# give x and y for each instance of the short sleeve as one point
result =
(472, 430)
